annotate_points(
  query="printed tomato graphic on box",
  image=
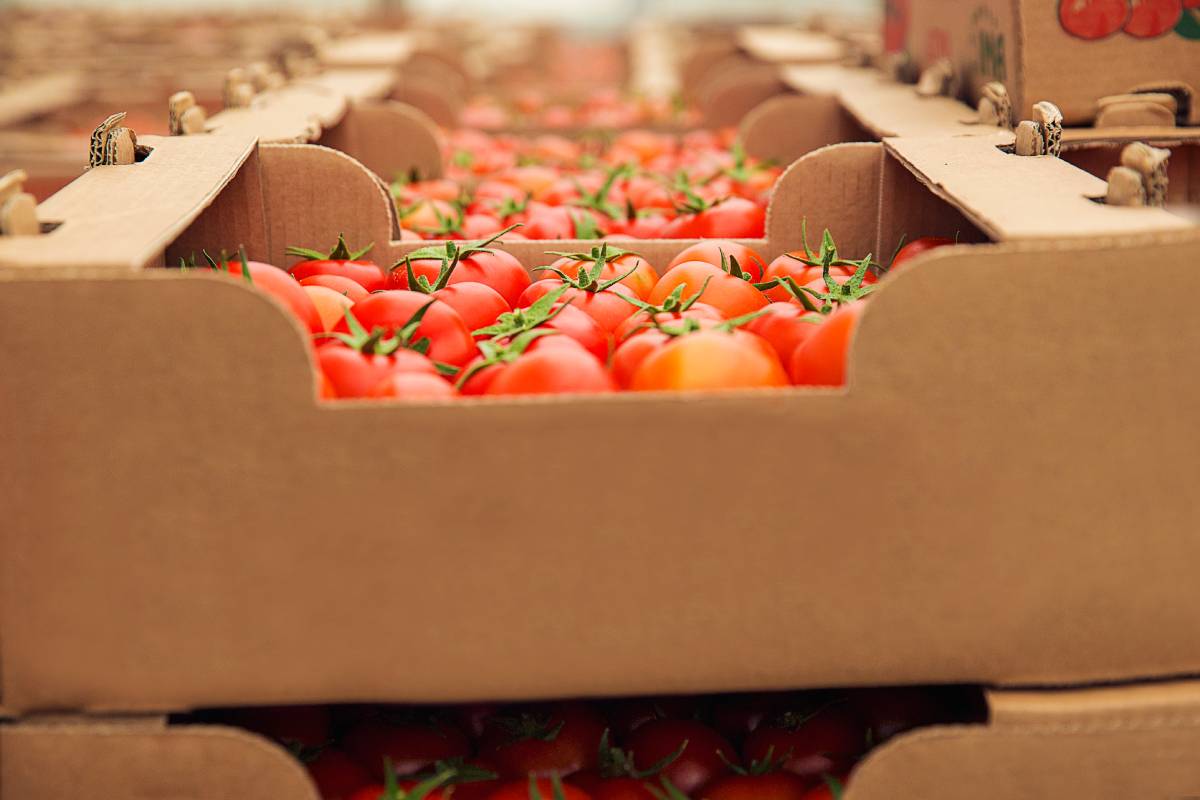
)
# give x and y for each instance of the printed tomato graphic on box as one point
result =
(1149, 19)
(1141, 19)
(1093, 19)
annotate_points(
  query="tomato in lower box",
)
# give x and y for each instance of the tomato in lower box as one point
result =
(995, 497)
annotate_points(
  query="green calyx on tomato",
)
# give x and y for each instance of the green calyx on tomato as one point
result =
(742, 170)
(186, 265)
(588, 279)
(836, 789)
(525, 727)
(598, 200)
(763, 766)
(674, 303)
(730, 265)
(447, 223)
(556, 788)
(454, 251)
(460, 771)
(493, 353)
(509, 207)
(524, 320)
(392, 790)
(618, 763)
(667, 790)
(687, 325)
(828, 255)
(340, 252)
(381, 342)
(585, 227)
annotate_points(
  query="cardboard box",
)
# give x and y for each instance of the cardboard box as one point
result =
(1071, 53)
(1092, 744)
(186, 505)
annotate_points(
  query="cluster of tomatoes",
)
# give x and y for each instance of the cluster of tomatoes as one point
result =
(604, 109)
(467, 319)
(640, 185)
(763, 746)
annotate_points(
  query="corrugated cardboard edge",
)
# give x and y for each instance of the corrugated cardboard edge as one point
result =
(1021, 197)
(883, 106)
(1131, 741)
(126, 216)
(369, 50)
(52, 761)
(789, 45)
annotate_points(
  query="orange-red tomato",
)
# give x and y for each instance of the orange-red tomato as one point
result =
(731, 296)
(606, 307)
(786, 326)
(339, 283)
(821, 360)
(414, 386)
(331, 305)
(553, 365)
(711, 359)
(801, 273)
(711, 251)
(641, 280)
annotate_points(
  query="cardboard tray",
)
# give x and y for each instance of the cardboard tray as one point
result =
(164, 549)
(1106, 744)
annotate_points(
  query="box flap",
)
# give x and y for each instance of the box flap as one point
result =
(789, 45)
(125, 216)
(198, 504)
(356, 84)
(1022, 197)
(884, 106)
(1078, 745)
(785, 127)
(32, 97)
(295, 113)
(53, 761)
(369, 50)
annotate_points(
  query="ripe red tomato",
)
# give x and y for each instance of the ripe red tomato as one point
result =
(786, 326)
(730, 295)
(415, 386)
(339, 261)
(498, 269)
(336, 775)
(769, 786)
(355, 374)
(639, 274)
(450, 341)
(917, 247)
(410, 747)
(708, 360)
(541, 789)
(563, 222)
(620, 788)
(280, 285)
(606, 306)
(563, 738)
(733, 218)
(643, 225)
(641, 320)
(558, 365)
(826, 742)
(339, 283)
(478, 304)
(628, 714)
(705, 756)
(833, 788)
(1093, 19)
(821, 360)
(715, 252)
(1152, 18)
(788, 267)
(403, 790)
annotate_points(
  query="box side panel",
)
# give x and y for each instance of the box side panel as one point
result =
(1065, 67)
(191, 487)
(46, 762)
